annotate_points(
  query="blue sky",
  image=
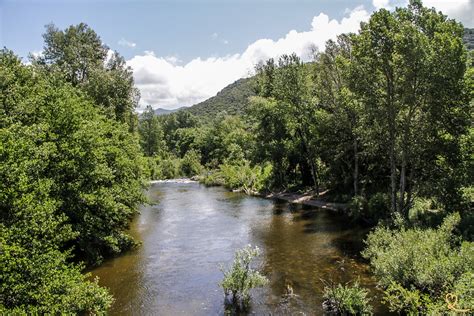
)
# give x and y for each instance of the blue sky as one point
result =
(179, 28)
(183, 52)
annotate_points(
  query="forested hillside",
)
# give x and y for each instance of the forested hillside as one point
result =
(468, 38)
(160, 111)
(232, 100)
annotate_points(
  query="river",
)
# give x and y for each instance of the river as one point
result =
(189, 230)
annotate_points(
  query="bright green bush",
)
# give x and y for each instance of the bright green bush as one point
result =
(240, 278)
(346, 299)
(243, 176)
(418, 267)
(169, 168)
(212, 178)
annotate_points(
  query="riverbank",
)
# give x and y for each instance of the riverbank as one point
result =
(306, 199)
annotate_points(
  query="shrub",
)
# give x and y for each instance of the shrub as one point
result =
(419, 267)
(346, 299)
(378, 205)
(212, 178)
(243, 176)
(241, 278)
(169, 168)
(357, 207)
(191, 164)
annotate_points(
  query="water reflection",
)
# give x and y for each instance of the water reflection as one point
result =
(192, 229)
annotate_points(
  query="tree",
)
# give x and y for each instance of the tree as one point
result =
(151, 134)
(408, 72)
(96, 167)
(340, 113)
(78, 55)
(36, 275)
(284, 117)
(74, 52)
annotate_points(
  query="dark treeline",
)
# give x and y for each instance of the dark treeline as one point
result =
(381, 120)
(71, 172)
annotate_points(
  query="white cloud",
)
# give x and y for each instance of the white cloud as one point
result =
(461, 10)
(379, 4)
(37, 53)
(168, 83)
(124, 42)
(165, 83)
(173, 60)
(225, 42)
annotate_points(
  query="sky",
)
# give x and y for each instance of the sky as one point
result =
(185, 51)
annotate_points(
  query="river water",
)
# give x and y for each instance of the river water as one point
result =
(190, 230)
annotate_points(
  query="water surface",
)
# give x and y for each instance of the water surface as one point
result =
(191, 229)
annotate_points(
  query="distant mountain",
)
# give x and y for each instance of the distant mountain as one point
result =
(232, 100)
(161, 111)
(469, 38)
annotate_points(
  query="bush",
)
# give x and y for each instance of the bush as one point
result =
(241, 278)
(191, 164)
(371, 210)
(357, 206)
(244, 177)
(419, 267)
(346, 299)
(378, 206)
(425, 211)
(212, 178)
(169, 168)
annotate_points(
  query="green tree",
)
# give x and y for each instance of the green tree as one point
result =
(408, 72)
(36, 275)
(78, 55)
(151, 133)
(97, 166)
(284, 112)
(340, 114)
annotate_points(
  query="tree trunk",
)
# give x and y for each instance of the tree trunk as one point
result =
(315, 177)
(392, 135)
(356, 167)
(401, 203)
(314, 173)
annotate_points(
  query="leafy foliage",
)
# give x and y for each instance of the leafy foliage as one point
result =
(241, 278)
(240, 176)
(346, 299)
(71, 174)
(418, 267)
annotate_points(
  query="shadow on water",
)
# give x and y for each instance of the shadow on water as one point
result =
(191, 229)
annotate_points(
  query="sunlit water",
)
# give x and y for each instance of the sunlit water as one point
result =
(192, 229)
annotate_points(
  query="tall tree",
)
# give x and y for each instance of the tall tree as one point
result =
(80, 57)
(151, 133)
(340, 122)
(408, 72)
(285, 116)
